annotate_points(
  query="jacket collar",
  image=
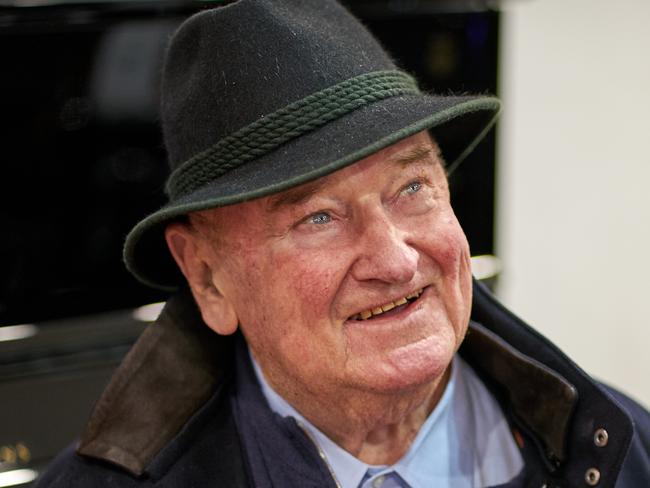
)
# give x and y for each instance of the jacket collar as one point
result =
(563, 417)
(521, 380)
(170, 372)
(178, 363)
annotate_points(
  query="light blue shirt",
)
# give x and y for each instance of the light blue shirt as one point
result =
(464, 443)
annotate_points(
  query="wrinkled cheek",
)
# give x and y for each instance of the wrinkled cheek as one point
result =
(465, 283)
(464, 288)
(311, 280)
(454, 259)
(453, 251)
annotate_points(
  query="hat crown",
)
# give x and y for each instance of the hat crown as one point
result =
(229, 67)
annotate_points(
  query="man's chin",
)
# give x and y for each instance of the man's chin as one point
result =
(407, 367)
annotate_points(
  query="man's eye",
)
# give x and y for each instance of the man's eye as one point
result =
(412, 187)
(319, 218)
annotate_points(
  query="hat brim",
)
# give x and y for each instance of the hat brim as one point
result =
(457, 122)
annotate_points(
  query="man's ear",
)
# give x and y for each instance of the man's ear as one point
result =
(191, 253)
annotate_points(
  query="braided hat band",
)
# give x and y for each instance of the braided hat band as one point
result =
(285, 124)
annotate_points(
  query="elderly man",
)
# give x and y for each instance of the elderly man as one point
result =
(327, 331)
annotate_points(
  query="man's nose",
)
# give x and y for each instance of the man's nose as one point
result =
(385, 252)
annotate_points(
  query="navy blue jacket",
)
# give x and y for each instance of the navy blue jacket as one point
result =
(184, 410)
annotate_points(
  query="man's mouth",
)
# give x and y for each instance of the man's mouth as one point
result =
(394, 306)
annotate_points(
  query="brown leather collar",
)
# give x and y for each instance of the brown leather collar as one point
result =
(538, 396)
(170, 372)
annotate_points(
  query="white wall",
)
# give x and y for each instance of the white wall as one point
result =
(574, 182)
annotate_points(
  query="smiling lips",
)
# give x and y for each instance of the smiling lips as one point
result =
(366, 314)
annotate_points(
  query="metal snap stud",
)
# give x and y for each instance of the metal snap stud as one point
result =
(592, 476)
(601, 437)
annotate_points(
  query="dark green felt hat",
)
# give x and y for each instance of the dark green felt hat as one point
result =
(262, 95)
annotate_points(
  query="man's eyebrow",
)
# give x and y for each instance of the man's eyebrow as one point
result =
(414, 155)
(295, 195)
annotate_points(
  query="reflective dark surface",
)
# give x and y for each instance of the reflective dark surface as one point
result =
(82, 155)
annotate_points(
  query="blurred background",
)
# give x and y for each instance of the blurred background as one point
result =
(573, 201)
(554, 201)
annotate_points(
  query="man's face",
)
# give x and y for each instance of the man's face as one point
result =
(309, 272)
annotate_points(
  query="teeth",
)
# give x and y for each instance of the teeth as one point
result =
(366, 314)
